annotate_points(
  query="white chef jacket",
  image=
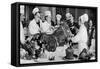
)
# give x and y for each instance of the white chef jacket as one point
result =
(22, 36)
(81, 38)
(46, 28)
(33, 27)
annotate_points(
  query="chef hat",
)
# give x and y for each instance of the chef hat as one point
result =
(59, 16)
(68, 14)
(84, 18)
(35, 10)
(47, 13)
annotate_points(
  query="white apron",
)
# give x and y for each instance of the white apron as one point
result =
(81, 38)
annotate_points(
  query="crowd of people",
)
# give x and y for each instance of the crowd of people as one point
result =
(79, 40)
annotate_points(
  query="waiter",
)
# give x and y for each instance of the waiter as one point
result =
(22, 37)
(90, 32)
(81, 37)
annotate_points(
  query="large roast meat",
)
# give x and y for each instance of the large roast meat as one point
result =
(58, 38)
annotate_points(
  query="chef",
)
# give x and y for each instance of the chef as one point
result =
(47, 28)
(81, 37)
(58, 16)
(35, 24)
(47, 25)
(35, 28)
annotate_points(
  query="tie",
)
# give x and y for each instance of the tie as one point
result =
(38, 23)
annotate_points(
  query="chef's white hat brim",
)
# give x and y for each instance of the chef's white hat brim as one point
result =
(68, 14)
(58, 16)
(48, 13)
(35, 10)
